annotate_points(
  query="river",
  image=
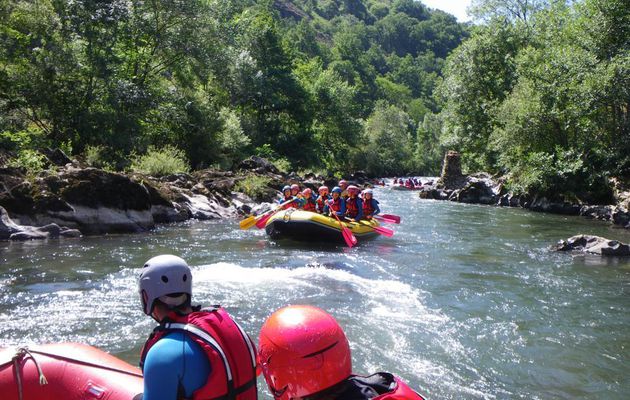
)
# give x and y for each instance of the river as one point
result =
(464, 302)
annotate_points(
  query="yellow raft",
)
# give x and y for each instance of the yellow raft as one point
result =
(313, 227)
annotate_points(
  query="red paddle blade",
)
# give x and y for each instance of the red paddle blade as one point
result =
(383, 231)
(349, 238)
(391, 217)
(263, 221)
(386, 220)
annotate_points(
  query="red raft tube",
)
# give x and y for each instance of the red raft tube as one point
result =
(68, 371)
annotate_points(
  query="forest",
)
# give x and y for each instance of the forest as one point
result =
(537, 91)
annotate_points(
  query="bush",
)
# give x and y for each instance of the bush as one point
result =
(159, 162)
(95, 156)
(282, 164)
(31, 160)
(254, 186)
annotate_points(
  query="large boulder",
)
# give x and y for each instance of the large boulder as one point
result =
(452, 177)
(13, 231)
(259, 165)
(594, 245)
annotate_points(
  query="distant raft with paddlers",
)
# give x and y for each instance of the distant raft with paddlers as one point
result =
(66, 371)
(313, 227)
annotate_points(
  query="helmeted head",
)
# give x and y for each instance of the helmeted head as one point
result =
(336, 190)
(343, 184)
(286, 190)
(367, 192)
(323, 190)
(295, 189)
(307, 193)
(353, 190)
(303, 350)
(166, 278)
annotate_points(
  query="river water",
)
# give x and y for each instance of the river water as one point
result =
(464, 302)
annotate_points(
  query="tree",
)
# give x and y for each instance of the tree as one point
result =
(388, 149)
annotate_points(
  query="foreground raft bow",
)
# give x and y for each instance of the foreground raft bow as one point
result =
(313, 227)
(66, 371)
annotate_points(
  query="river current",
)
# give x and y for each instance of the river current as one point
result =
(464, 302)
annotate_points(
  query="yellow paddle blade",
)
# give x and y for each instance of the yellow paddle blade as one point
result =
(248, 222)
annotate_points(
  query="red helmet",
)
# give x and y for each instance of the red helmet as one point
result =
(353, 189)
(295, 186)
(307, 192)
(323, 189)
(343, 183)
(303, 350)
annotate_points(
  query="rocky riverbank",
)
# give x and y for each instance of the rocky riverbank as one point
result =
(71, 200)
(482, 188)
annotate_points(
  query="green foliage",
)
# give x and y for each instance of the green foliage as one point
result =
(389, 141)
(543, 96)
(159, 162)
(282, 164)
(216, 79)
(96, 156)
(32, 161)
(255, 186)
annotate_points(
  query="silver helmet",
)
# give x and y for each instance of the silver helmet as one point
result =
(162, 276)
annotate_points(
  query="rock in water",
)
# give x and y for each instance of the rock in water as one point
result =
(594, 245)
(452, 176)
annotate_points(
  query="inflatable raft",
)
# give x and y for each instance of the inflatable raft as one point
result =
(66, 371)
(313, 227)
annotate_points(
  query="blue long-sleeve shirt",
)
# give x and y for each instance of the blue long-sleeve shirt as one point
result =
(173, 362)
(375, 208)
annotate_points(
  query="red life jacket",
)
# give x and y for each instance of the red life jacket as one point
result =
(231, 353)
(367, 207)
(309, 205)
(293, 204)
(321, 203)
(351, 207)
(401, 392)
(335, 204)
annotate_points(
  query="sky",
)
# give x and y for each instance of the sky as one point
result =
(455, 7)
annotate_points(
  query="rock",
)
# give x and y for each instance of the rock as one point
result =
(259, 165)
(478, 192)
(452, 177)
(557, 207)
(70, 233)
(603, 213)
(7, 226)
(359, 177)
(57, 157)
(594, 245)
(621, 216)
(13, 231)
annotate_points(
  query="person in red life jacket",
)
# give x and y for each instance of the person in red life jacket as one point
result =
(370, 205)
(336, 204)
(194, 353)
(354, 205)
(287, 194)
(343, 184)
(322, 199)
(295, 189)
(309, 201)
(304, 354)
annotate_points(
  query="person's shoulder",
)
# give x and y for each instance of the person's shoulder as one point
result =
(168, 349)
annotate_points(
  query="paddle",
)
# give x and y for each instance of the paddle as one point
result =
(348, 237)
(252, 219)
(379, 229)
(260, 224)
(388, 218)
